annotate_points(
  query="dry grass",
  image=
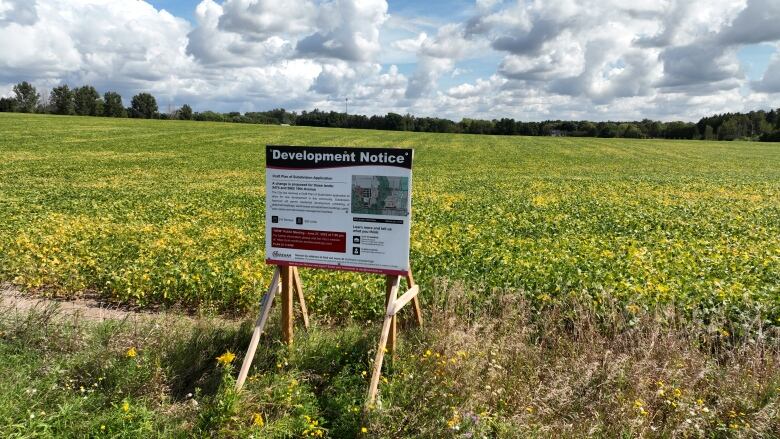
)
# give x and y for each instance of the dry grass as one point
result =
(512, 371)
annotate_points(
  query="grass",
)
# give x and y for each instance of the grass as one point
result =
(503, 372)
(572, 287)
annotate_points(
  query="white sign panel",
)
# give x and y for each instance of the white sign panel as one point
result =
(338, 208)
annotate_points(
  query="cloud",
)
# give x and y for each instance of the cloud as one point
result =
(531, 41)
(479, 88)
(437, 56)
(411, 44)
(128, 42)
(529, 59)
(770, 81)
(21, 12)
(263, 19)
(671, 21)
(697, 63)
(212, 45)
(757, 23)
(347, 30)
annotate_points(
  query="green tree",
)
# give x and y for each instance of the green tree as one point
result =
(729, 130)
(7, 105)
(185, 112)
(86, 100)
(588, 129)
(144, 106)
(631, 131)
(112, 105)
(709, 133)
(61, 99)
(26, 97)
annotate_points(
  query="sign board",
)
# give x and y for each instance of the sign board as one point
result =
(339, 208)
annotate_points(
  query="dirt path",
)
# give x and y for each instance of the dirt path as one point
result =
(13, 299)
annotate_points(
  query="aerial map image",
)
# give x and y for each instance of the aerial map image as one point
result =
(377, 195)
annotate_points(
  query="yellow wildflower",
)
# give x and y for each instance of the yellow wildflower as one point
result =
(257, 419)
(363, 430)
(125, 406)
(131, 353)
(226, 358)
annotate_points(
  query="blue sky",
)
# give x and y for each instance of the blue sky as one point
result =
(527, 59)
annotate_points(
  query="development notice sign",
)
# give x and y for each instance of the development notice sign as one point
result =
(338, 208)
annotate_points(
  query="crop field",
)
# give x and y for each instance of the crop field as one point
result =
(571, 287)
(172, 212)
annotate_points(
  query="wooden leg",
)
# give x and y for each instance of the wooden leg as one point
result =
(287, 303)
(415, 301)
(380, 350)
(391, 283)
(301, 300)
(262, 318)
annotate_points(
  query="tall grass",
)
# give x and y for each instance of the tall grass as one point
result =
(506, 369)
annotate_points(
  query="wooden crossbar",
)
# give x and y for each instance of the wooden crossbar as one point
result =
(404, 299)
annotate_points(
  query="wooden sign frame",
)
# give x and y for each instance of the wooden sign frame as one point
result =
(286, 279)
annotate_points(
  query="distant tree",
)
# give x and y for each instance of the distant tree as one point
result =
(607, 129)
(112, 105)
(630, 131)
(709, 133)
(656, 130)
(506, 127)
(729, 130)
(26, 97)
(695, 135)
(44, 103)
(393, 121)
(144, 106)
(61, 99)
(209, 116)
(771, 137)
(588, 129)
(98, 106)
(7, 105)
(185, 112)
(681, 130)
(85, 100)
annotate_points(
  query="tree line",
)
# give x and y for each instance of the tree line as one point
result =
(86, 101)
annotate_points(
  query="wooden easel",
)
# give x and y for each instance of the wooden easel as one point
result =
(286, 279)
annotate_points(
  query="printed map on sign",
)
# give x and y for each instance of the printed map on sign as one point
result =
(380, 195)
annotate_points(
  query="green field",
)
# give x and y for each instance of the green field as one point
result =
(172, 212)
(572, 288)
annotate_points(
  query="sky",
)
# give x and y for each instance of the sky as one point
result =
(529, 60)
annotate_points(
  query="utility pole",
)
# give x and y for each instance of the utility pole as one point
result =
(346, 105)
